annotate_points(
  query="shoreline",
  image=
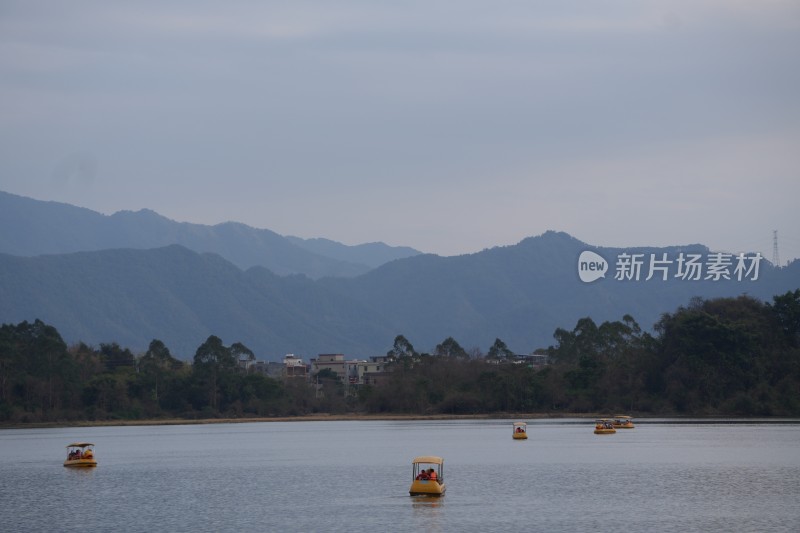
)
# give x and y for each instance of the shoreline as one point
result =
(354, 417)
(318, 417)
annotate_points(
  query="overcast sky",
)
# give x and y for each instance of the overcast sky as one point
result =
(448, 126)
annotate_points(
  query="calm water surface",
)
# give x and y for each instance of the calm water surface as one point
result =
(354, 476)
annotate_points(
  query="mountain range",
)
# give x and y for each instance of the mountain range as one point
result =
(33, 227)
(118, 278)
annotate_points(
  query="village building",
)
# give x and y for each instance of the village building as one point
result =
(291, 367)
(330, 361)
(373, 372)
(294, 367)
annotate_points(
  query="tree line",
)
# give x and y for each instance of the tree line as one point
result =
(726, 356)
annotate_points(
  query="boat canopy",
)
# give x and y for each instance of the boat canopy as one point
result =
(79, 445)
(520, 424)
(432, 459)
(624, 417)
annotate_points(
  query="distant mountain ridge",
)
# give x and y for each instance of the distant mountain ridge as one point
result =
(522, 293)
(31, 227)
(372, 254)
(177, 295)
(518, 293)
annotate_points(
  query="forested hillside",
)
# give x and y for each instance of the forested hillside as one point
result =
(181, 297)
(519, 293)
(726, 356)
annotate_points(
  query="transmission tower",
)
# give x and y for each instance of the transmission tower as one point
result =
(776, 261)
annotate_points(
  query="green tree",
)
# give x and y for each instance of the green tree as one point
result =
(213, 363)
(786, 309)
(36, 373)
(106, 396)
(330, 392)
(156, 367)
(583, 340)
(499, 350)
(450, 348)
(88, 360)
(713, 351)
(402, 348)
(259, 394)
(242, 353)
(115, 357)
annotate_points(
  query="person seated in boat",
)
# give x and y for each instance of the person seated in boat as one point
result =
(432, 475)
(422, 475)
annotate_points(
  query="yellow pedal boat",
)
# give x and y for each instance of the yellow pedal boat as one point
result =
(80, 454)
(520, 430)
(623, 422)
(603, 426)
(427, 477)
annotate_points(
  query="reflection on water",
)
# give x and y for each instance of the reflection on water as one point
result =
(354, 476)
(428, 513)
(76, 471)
(427, 502)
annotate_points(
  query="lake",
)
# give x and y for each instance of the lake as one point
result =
(665, 475)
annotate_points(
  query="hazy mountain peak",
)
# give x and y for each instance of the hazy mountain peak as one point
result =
(42, 227)
(372, 254)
